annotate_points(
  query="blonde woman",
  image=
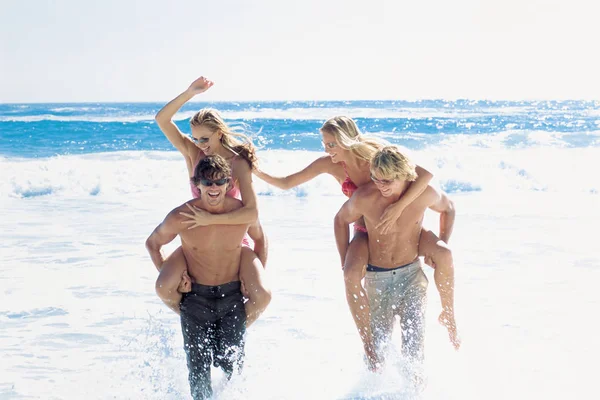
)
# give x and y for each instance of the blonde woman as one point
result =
(348, 160)
(211, 135)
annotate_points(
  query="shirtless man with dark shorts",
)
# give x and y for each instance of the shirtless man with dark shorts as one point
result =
(213, 317)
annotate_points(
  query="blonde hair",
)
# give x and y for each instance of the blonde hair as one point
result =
(212, 119)
(348, 136)
(392, 164)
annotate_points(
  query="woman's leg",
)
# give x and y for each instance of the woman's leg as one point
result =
(355, 266)
(438, 255)
(173, 280)
(251, 275)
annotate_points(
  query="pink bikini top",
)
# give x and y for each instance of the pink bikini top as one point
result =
(233, 192)
(348, 187)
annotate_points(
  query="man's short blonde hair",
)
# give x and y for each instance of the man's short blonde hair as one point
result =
(390, 164)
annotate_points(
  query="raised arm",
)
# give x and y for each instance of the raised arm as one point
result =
(320, 166)
(164, 118)
(164, 233)
(348, 213)
(393, 211)
(445, 207)
(261, 244)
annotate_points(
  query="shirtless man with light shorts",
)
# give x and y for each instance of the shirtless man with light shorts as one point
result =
(394, 282)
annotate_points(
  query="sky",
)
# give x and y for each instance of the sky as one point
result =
(150, 50)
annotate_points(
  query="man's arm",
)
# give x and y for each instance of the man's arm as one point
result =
(261, 244)
(163, 234)
(348, 213)
(393, 211)
(445, 207)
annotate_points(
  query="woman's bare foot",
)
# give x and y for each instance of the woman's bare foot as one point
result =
(447, 319)
(185, 286)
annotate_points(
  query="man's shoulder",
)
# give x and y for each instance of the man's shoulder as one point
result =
(430, 189)
(231, 203)
(175, 214)
(365, 194)
(430, 194)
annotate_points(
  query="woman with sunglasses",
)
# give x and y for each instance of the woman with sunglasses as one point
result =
(211, 135)
(348, 161)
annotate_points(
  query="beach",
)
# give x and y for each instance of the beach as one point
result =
(83, 186)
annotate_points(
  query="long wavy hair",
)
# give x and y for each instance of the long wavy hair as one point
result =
(233, 140)
(349, 137)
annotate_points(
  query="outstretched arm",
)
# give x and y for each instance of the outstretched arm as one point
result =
(164, 118)
(319, 166)
(261, 244)
(348, 213)
(249, 212)
(445, 207)
(164, 233)
(393, 211)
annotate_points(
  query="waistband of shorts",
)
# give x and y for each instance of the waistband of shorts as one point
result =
(218, 290)
(373, 269)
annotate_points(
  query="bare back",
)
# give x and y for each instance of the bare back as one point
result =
(213, 252)
(401, 245)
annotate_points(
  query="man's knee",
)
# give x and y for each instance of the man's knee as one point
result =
(231, 359)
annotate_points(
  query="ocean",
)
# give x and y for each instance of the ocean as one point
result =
(83, 185)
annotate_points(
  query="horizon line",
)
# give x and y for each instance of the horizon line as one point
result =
(529, 100)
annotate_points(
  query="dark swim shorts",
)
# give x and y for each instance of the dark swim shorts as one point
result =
(213, 323)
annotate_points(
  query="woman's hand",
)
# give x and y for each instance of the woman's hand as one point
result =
(429, 261)
(389, 217)
(200, 85)
(197, 217)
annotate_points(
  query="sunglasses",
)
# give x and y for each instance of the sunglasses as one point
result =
(382, 181)
(218, 182)
(200, 140)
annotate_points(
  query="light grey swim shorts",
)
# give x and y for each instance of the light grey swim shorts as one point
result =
(398, 291)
